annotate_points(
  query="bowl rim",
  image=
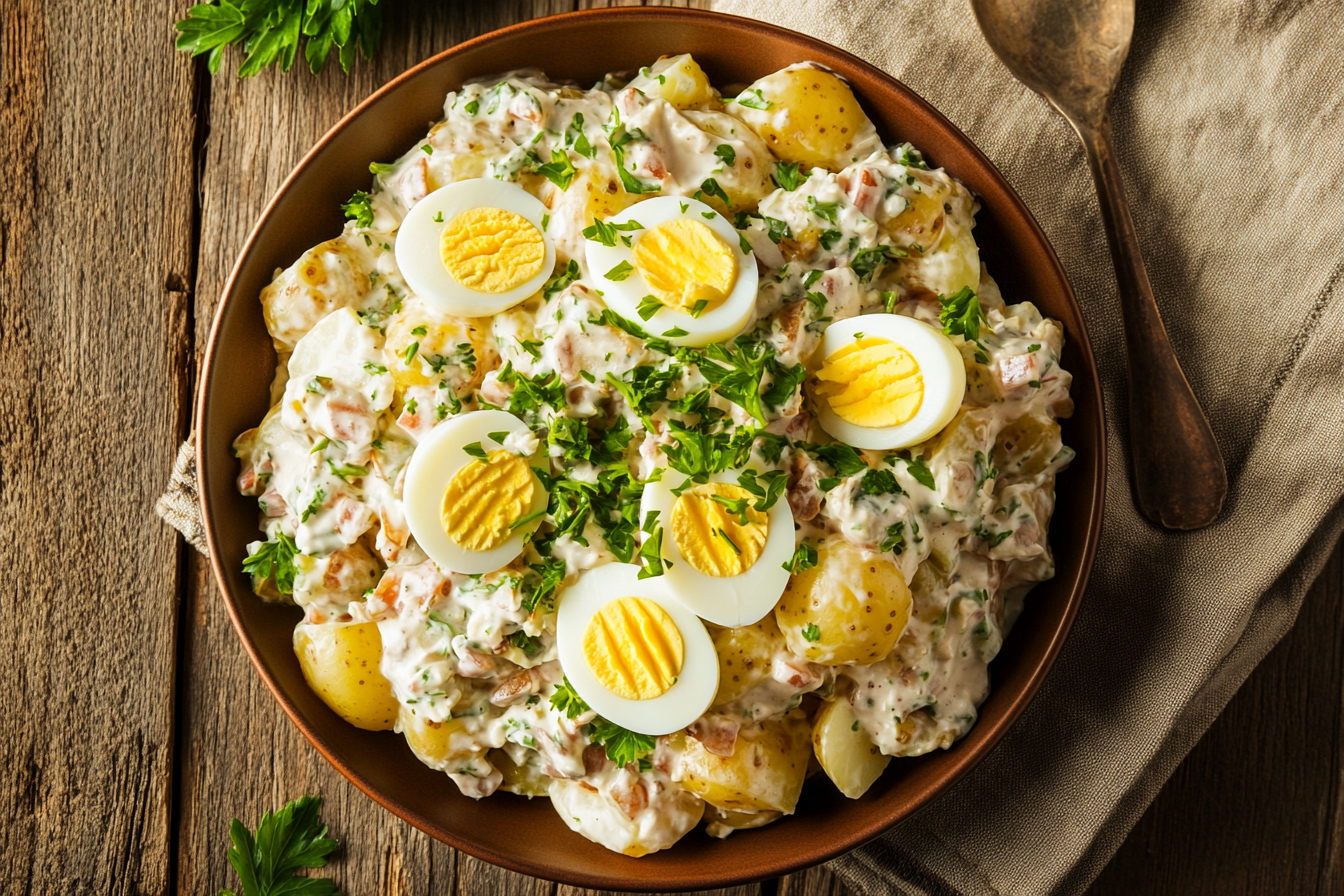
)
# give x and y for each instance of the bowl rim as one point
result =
(803, 857)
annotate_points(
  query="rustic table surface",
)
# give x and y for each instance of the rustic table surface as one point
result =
(137, 729)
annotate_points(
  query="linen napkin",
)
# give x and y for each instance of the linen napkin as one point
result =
(1229, 128)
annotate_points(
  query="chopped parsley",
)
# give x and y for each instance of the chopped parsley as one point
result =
(961, 314)
(787, 176)
(811, 633)
(559, 170)
(359, 208)
(727, 153)
(274, 560)
(804, 558)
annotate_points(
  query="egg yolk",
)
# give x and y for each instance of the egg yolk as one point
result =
(872, 382)
(633, 648)
(491, 250)
(708, 529)
(685, 263)
(483, 499)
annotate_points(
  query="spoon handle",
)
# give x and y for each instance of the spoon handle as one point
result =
(1179, 475)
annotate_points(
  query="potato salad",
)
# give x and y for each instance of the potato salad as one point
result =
(653, 449)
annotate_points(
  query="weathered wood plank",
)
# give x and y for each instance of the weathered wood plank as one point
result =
(1256, 806)
(95, 254)
(239, 755)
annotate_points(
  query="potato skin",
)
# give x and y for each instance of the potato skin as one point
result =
(340, 663)
(745, 654)
(764, 774)
(813, 118)
(438, 744)
(847, 625)
(848, 756)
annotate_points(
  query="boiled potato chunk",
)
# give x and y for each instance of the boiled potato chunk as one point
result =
(808, 115)
(764, 774)
(848, 609)
(671, 813)
(340, 663)
(438, 744)
(745, 654)
(677, 79)
(722, 822)
(526, 780)
(849, 758)
(450, 348)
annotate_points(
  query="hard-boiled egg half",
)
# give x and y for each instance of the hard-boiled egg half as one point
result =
(635, 655)
(887, 381)
(472, 498)
(476, 247)
(677, 265)
(725, 559)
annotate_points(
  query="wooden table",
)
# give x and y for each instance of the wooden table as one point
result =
(135, 727)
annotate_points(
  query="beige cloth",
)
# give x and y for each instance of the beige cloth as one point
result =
(1229, 125)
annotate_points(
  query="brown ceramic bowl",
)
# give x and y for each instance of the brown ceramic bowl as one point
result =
(528, 836)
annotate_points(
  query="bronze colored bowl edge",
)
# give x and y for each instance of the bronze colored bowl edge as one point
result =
(528, 836)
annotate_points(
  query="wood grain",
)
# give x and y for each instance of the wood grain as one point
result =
(134, 181)
(239, 755)
(95, 255)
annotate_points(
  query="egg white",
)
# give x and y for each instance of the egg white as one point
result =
(697, 683)
(940, 365)
(734, 600)
(418, 254)
(436, 460)
(622, 296)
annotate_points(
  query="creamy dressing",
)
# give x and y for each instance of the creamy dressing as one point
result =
(967, 526)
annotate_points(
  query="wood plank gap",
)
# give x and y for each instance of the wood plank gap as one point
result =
(186, 373)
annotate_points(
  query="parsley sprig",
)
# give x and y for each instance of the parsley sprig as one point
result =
(274, 560)
(269, 32)
(285, 841)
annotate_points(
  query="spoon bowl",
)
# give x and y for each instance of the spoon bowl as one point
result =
(1071, 52)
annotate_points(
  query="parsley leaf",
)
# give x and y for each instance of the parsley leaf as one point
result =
(920, 471)
(347, 471)
(753, 99)
(727, 153)
(561, 280)
(476, 451)
(648, 306)
(961, 314)
(286, 841)
(559, 170)
(359, 209)
(741, 383)
(274, 560)
(826, 211)
(811, 633)
(878, 482)
(567, 700)
(620, 272)
(803, 559)
(651, 555)
(866, 261)
(605, 233)
(767, 487)
(529, 645)
(622, 745)
(787, 176)
(269, 32)
(539, 585)
(711, 187)
(895, 540)
(576, 138)
(843, 458)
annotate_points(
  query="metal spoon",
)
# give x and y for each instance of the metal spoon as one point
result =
(1071, 52)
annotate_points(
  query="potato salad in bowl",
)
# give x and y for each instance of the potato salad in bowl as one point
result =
(655, 449)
